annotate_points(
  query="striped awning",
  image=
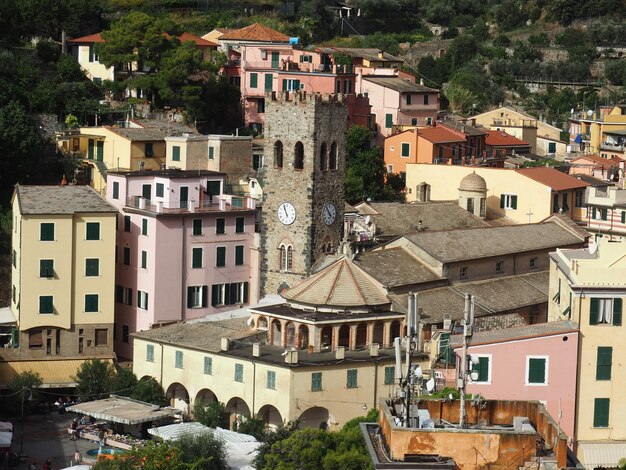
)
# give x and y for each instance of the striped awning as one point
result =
(122, 410)
(55, 373)
(605, 454)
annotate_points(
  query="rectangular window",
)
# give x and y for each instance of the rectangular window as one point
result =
(93, 231)
(125, 334)
(254, 80)
(533, 262)
(290, 84)
(46, 268)
(261, 105)
(142, 300)
(144, 226)
(508, 201)
(197, 296)
(14, 259)
(91, 303)
(197, 227)
(351, 378)
(46, 232)
(499, 267)
(116, 190)
(409, 99)
(123, 295)
(605, 311)
(176, 153)
(220, 226)
(463, 272)
(238, 372)
(101, 336)
(146, 191)
(150, 352)
(92, 267)
(578, 202)
(269, 80)
(211, 153)
(208, 365)
(271, 380)
(390, 375)
(46, 304)
(144, 259)
(149, 149)
(536, 370)
(601, 408)
(483, 369)
(406, 149)
(127, 256)
(623, 220)
(35, 339)
(229, 294)
(220, 256)
(160, 189)
(316, 381)
(127, 223)
(565, 205)
(604, 214)
(604, 362)
(551, 147)
(426, 97)
(179, 360)
(239, 224)
(196, 257)
(388, 121)
(239, 255)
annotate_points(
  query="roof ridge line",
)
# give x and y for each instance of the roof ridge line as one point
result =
(331, 291)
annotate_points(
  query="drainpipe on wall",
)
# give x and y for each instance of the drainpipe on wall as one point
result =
(578, 354)
(183, 276)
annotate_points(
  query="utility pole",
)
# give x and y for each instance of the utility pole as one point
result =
(410, 342)
(468, 325)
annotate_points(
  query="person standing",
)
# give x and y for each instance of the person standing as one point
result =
(47, 465)
(77, 457)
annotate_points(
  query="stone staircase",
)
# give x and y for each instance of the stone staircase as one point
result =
(102, 168)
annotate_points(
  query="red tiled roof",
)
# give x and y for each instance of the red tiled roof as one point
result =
(256, 32)
(555, 179)
(439, 134)
(92, 38)
(598, 160)
(502, 139)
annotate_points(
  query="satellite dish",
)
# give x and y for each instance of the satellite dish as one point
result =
(474, 375)
(590, 112)
(593, 248)
(430, 385)
(418, 372)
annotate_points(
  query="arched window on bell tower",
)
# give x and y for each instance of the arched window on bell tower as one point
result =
(324, 157)
(333, 156)
(286, 257)
(298, 156)
(278, 154)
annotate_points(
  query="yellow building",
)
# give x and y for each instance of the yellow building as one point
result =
(63, 275)
(600, 133)
(588, 286)
(525, 195)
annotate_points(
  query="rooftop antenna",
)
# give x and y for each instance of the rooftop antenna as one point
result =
(468, 327)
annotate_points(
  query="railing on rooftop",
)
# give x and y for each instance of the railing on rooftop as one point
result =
(223, 202)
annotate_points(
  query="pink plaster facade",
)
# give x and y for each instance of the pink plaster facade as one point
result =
(508, 373)
(155, 251)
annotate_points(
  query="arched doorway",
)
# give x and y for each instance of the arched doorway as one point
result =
(270, 416)
(290, 339)
(303, 337)
(178, 397)
(326, 338)
(378, 334)
(236, 408)
(344, 335)
(361, 335)
(394, 331)
(276, 333)
(316, 418)
(204, 397)
(298, 156)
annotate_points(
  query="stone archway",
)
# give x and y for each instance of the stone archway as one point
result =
(361, 336)
(344, 335)
(394, 331)
(270, 415)
(178, 397)
(317, 417)
(290, 335)
(326, 338)
(303, 337)
(277, 339)
(378, 335)
(236, 408)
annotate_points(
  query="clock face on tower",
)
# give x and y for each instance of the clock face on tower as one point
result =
(329, 213)
(286, 213)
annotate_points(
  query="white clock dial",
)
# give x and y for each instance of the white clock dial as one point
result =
(329, 213)
(286, 213)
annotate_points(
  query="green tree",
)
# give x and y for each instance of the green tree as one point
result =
(202, 452)
(615, 72)
(271, 437)
(252, 426)
(24, 385)
(211, 414)
(94, 378)
(150, 391)
(124, 382)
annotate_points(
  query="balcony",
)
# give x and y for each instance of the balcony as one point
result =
(297, 67)
(222, 203)
(605, 196)
(616, 147)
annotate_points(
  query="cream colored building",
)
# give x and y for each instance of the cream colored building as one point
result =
(525, 195)
(588, 286)
(63, 274)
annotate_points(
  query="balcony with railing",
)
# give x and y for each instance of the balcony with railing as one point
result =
(298, 67)
(222, 203)
(612, 145)
(605, 196)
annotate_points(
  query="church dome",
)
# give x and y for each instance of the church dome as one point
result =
(473, 182)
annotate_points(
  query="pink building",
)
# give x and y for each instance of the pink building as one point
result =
(531, 362)
(204, 240)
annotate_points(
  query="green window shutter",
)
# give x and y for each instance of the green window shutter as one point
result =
(144, 259)
(406, 148)
(92, 267)
(150, 353)
(90, 148)
(269, 81)
(245, 292)
(271, 379)
(254, 79)
(127, 223)
(119, 293)
(239, 255)
(160, 187)
(352, 378)
(239, 224)
(211, 153)
(215, 295)
(197, 227)
(46, 232)
(388, 121)
(513, 202)
(46, 304)
(624, 217)
(220, 226)
(116, 190)
(175, 154)
(483, 369)
(189, 297)
(390, 375)
(127, 256)
(502, 197)
(617, 312)
(593, 212)
(536, 371)
(316, 381)
(205, 294)
(208, 365)
(603, 363)
(149, 149)
(196, 257)
(91, 302)
(601, 412)
(93, 231)
(46, 268)
(144, 226)
(605, 214)
(552, 147)
(284, 84)
(594, 309)
(220, 254)
(238, 372)
(179, 360)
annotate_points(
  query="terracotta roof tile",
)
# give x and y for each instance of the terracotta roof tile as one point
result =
(256, 32)
(92, 38)
(597, 159)
(438, 135)
(502, 139)
(555, 179)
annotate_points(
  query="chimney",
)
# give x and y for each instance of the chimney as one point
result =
(291, 357)
(225, 344)
(422, 81)
(340, 353)
(256, 349)
(374, 349)
(381, 55)
(474, 122)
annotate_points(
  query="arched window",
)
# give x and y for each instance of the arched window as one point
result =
(298, 156)
(278, 154)
(332, 164)
(324, 157)
(286, 257)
